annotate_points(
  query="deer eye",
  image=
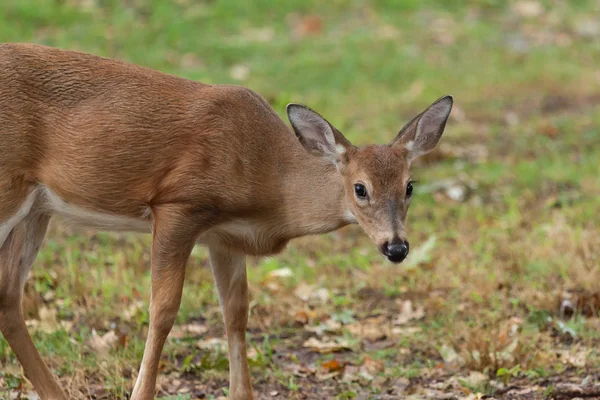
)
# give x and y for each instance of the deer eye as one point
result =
(360, 190)
(409, 189)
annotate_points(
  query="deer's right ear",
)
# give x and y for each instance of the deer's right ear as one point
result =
(315, 133)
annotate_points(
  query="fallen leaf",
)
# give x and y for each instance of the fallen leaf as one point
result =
(332, 365)
(406, 331)
(239, 72)
(328, 325)
(373, 366)
(48, 322)
(587, 28)
(324, 377)
(574, 391)
(321, 294)
(511, 118)
(449, 355)
(457, 193)
(442, 29)
(263, 35)
(351, 373)
(103, 344)
(477, 379)
(507, 352)
(252, 354)
(188, 330)
(307, 25)
(371, 329)
(133, 310)
(408, 313)
(548, 129)
(387, 32)
(48, 296)
(191, 61)
(307, 292)
(577, 359)
(213, 344)
(281, 273)
(326, 346)
(455, 190)
(303, 291)
(301, 316)
(528, 9)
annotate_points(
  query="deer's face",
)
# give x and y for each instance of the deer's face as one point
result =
(376, 178)
(378, 193)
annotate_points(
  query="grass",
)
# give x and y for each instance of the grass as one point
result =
(489, 271)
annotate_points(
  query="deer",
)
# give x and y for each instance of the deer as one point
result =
(113, 146)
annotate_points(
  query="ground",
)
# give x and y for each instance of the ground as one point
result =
(500, 295)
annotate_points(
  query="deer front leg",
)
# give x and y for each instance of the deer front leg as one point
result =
(172, 243)
(229, 271)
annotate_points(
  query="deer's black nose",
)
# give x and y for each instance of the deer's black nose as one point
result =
(396, 251)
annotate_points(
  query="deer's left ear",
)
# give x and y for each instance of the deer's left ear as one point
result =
(315, 133)
(423, 132)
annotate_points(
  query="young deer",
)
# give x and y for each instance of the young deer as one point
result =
(114, 146)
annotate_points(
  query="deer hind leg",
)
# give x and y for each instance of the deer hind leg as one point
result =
(21, 235)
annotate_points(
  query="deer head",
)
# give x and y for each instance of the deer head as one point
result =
(376, 178)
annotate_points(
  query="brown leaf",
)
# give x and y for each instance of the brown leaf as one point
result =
(548, 129)
(188, 330)
(214, 344)
(326, 346)
(329, 325)
(407, 331)
(371, 329)
(239, 72)
(351, 373)
(570, 390)
(408, 313)
(307, 292)
(528, 8)
(133, 309)
(263, 35)
(103, 344)
(332, 365)
(576, 358)
(373, 366)
(48, 322)
(307, 25)
(191, 61)
(301, 316)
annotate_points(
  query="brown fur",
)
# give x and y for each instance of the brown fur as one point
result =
(198, 163)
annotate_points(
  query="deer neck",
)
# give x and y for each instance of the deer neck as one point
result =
(314, 201)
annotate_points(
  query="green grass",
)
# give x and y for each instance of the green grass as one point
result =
(502, 260)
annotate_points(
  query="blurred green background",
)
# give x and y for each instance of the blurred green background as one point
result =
(502, 286)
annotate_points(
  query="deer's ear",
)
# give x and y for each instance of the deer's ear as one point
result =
(423, 132)
(315, 133)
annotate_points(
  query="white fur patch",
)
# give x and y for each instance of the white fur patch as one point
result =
(410, 145)
(94, 219)
(138, 382)
(239, 228)
(350, 218)
(9, 224)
